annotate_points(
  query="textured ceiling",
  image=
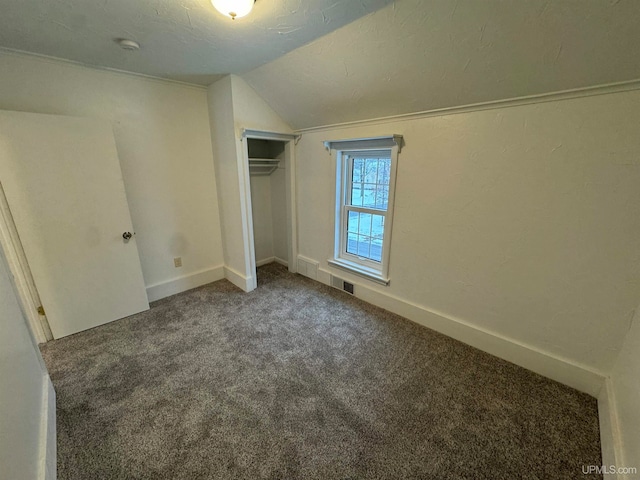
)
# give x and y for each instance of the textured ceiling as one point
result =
(185, 40)
(417, 55)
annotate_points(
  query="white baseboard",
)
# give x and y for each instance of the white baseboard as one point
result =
(609, 429)
(241, 281)
(48, 464)
(281, 261)
(184, 283)
(265, 261)
(580, 377)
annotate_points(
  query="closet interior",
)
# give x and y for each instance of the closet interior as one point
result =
(268, 176)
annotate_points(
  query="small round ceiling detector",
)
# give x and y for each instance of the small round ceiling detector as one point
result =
(233, 8)
(127, 44)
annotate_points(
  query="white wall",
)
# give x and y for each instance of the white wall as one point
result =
(269, 211)
(25, 421)
(279, 211)
(164, 145)
(624, 401)
(262, 216)
(233, 105)
(520, 222)
(230, 183)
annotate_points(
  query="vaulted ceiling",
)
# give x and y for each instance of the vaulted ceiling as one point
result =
(184, 40)
(417, 55)
(319, 62)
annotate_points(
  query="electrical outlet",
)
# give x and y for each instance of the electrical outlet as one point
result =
(177, 262)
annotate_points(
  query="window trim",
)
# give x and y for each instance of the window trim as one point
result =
(364, 267)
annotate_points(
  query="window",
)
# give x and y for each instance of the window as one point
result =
(366, 203)
(365, 180)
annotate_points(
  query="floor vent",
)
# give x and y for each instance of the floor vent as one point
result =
(340, 284)
(348, 287)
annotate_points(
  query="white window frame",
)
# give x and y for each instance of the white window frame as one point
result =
(362, 266)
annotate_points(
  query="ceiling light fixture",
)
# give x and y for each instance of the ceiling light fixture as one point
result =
(233, 8)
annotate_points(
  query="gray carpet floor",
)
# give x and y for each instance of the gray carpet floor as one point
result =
(298, 380)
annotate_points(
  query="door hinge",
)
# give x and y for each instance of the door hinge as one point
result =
(41, 310)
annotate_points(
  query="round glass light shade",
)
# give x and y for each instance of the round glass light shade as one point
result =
(233, 8)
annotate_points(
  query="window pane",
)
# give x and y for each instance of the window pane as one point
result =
(358, 165)
(377, 226)
(370, 170)
(352, 222)
(357, 194)
(382, 197)
(352, 243)
(376, 249)
(364, 227)
(369, 194)
(363, 245)
(384, 171)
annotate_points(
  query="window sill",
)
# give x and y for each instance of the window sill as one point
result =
(360, 270)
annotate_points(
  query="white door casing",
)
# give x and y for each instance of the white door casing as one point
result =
(289, 140)
(62, 179)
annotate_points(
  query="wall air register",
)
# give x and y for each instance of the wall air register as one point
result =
(341, 284)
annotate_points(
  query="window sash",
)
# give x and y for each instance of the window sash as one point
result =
(347, 186)
(370, 262)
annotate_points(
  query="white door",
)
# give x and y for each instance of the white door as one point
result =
(62, 179)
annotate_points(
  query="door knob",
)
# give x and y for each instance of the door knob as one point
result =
(127, 235)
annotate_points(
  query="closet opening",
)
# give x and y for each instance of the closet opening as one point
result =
(272, 232)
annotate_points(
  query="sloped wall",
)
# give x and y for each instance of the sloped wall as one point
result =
(419, 55)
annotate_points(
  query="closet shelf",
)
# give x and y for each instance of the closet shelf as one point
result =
(263, 166)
